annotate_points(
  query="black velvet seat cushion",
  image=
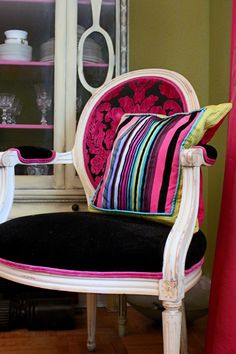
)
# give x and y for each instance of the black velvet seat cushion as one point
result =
(90, 241)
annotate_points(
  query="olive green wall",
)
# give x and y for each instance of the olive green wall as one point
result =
(220, 26)
(172, 34)
(192, 38)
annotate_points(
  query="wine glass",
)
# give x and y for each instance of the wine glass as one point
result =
(79, 103)
(14, 111)
(44, 101)
(37, 170)
(6, 102)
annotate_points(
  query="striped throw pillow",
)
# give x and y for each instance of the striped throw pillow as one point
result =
(143, 174)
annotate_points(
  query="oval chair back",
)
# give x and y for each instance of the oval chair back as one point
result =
(142, 91)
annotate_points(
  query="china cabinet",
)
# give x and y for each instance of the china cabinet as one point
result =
(47, 73)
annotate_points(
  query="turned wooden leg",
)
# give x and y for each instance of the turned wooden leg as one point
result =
(184, 335)
(122, 320)
(171, 321)
(91, 321)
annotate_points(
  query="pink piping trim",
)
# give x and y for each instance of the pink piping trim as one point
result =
(85, 274)
(28, 161)
(207, 159)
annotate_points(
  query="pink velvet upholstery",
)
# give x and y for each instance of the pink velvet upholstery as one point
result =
(136, 95)
(92, 274)
(32, 154)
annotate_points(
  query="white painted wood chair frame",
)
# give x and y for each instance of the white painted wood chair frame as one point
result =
(172, 287)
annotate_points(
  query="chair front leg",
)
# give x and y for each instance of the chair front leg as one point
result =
(91, 321)
(184, 336)
(122, 320)
(171, 322)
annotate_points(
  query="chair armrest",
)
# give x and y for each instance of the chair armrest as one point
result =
(7, 186)
(11, 157)
(180, 236)
(207, 155)
(8, 160)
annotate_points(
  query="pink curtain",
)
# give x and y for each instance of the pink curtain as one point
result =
(221, 330)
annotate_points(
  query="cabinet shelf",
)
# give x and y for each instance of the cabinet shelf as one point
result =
(80, 2)
(27, 1)
(105, 2)
(88, 64)
(47, 63)
(26, 126)
(26, 63)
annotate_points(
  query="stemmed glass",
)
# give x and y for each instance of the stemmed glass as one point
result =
(79, 103)
(14, 111)
(6, 102)
(44, 101)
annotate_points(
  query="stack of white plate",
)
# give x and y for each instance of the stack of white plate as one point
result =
(80, 31)
(15, 51)
(47, 50)
(92, 50)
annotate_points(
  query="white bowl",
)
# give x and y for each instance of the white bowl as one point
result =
(19, 34)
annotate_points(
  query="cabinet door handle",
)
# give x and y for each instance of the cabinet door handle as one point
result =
(96, 11)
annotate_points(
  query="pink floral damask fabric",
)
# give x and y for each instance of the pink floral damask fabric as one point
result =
(139, 95)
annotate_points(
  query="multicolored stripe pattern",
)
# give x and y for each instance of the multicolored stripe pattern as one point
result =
(143, 171)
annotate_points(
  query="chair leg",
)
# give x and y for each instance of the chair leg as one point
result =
(122, 320)
(91, 321)
(184, 335)
(171, 321)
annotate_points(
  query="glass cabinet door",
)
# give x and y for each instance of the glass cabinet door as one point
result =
(53, 55)
(27, 75)
(98, 42)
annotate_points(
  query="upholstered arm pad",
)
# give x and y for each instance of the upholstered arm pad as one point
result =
(209, 153)
(199, 155)
(31, 155)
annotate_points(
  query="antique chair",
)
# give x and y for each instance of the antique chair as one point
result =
(121, 245)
